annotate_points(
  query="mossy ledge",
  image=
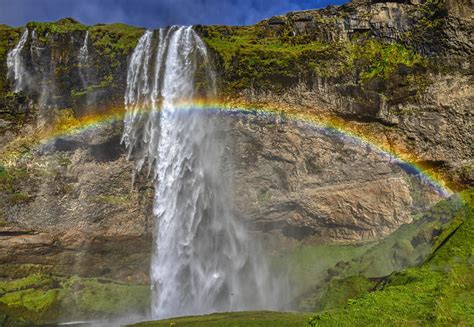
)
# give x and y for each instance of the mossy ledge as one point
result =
(43, 299)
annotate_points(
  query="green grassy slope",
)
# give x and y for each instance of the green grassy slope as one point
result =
(236, 319)
(440, 292)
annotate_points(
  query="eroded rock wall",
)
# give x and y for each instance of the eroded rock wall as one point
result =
(69, 207)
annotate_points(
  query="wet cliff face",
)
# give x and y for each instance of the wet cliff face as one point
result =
(71, 200)
(401, 69)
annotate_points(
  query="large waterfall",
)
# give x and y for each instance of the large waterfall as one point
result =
(204, 260)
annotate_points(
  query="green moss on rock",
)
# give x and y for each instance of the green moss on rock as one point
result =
(340, 291)
(39, 298)
(438, 293)
(254, 57)
(115, 39)
(62, 26)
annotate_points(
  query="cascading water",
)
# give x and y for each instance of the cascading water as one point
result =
(84, 50)
(82, 58)
(85, 72)
(16, 69)
(204, 260)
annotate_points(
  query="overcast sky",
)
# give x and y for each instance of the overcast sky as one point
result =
(152, 13)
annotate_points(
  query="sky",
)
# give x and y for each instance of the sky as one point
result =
(152, 13)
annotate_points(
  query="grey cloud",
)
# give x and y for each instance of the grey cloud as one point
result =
(152, 13)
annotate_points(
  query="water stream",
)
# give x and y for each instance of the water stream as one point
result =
(204, 260)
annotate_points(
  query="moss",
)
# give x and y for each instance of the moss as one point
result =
(251, 56)
(236, 319)
(34, 280)
(114, 40)
(8, 39)
(115, 200)
(104, 83)
(438, 293)
(308, 266)
(339, 291)
(61, 26)
(11, 178)
(65, 121)
(381, 60)
(102, 297)
(18, 197)
(44, 299)
(36, 301)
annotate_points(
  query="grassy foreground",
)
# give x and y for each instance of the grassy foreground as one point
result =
(440, 292)
(236, 319)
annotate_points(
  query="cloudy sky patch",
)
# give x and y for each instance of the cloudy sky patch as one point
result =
(152, 13)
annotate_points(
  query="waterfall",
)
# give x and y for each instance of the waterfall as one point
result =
(84, 51)
(15, 65)
(84, 71)
(82, 59)
(204, 260)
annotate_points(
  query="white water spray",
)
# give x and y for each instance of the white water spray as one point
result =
(15, 65)
(84, 50)
(204, 260)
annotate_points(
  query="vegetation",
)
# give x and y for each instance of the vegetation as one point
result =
(8, 38)
(115, 200)
(315, 269)
(62, 26)
(115, 39)
(42, 298)
(381, 60)
(437, 293)
(10, 178)
(253, 56)
(235, 319)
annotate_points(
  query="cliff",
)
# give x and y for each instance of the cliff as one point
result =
(398, 73)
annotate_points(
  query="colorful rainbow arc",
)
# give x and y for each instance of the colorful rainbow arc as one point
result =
(328, 124)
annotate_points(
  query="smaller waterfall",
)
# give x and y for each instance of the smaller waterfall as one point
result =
(85, 74)
(84, 51)
(16, 67)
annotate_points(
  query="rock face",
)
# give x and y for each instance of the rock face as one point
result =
(400, 64)
(68, 204)
(306, 185)
(77, 205)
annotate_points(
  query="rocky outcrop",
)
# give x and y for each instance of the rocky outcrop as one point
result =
(70, 200)
(404, 65)
(310, 185)
(70, 207)
(73, 210)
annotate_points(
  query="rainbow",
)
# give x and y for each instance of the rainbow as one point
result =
(347, 131)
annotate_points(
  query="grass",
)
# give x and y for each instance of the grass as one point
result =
(307, 265)
(235, 319)
(437, 293)
(313, 268)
